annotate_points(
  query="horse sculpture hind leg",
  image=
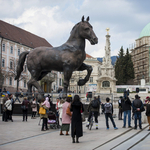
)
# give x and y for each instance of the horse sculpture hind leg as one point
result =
(34, 82)
(89, 70)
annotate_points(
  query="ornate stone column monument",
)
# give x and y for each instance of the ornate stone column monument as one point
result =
(107, 81)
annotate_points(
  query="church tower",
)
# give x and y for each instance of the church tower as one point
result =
(107, 81)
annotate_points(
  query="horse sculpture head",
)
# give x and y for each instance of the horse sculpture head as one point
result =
(86, 31)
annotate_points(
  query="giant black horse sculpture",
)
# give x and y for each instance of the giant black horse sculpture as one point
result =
(66, 58)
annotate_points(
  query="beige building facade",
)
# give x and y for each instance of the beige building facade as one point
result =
(13, 41)
(91, 85)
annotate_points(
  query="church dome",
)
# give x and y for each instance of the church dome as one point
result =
(145, 31)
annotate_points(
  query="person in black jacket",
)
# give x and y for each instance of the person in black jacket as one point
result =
(126, 108)
(120, 108)
(76, 122)
(137, 108)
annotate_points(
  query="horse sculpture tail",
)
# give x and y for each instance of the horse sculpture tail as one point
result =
(21, 61)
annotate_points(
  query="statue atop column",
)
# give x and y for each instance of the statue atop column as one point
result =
(107, 48)
(107, 70)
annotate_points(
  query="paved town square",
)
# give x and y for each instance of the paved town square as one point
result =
(27, 135)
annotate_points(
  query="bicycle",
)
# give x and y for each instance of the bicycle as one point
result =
(91, 121)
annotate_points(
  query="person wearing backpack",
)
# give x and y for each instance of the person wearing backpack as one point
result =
(94, 107)
(108, 110)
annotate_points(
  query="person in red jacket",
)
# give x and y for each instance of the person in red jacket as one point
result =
(25, 103)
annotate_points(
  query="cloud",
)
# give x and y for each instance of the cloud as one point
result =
(53, 20)
(41, 21)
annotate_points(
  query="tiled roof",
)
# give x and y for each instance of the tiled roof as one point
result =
(21, 36)
(88, 56)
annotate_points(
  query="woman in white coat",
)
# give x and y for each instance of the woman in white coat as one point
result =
(60, 104)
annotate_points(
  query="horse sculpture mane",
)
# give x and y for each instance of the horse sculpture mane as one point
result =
(65, 58)
(74, 28)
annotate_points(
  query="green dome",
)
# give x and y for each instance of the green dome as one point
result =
(145, 31)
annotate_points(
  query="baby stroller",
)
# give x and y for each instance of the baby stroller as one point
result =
(52, 120)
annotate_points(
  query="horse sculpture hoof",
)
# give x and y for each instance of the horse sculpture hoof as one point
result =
(81, 82)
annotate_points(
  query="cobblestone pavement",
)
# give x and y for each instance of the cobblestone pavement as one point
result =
(28, 135)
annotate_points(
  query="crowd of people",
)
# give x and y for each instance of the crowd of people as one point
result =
(126, 107)
(69, 112)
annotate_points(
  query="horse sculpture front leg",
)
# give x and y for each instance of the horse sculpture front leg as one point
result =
(89, 71)
(67, 75)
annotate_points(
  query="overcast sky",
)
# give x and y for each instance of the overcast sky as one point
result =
(54, 19)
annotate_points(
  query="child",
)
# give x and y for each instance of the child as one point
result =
(108, 110)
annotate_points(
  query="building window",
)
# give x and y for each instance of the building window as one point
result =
(106, 84)
(10, 81)
(11, 64)
(18, 52)
(3, 47)
(11, 49)
(72, 80)
(3, 62)
(60, 82)
(25, 83)
(54, 87)
(91, 79)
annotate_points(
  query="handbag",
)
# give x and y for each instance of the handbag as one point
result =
(42, 111)
(4, 109)
(68, 112)
(33, 105)
(142, 109)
